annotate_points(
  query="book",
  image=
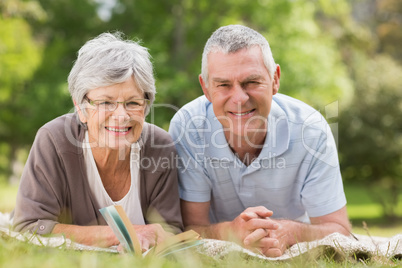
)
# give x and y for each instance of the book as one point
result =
(124, 230)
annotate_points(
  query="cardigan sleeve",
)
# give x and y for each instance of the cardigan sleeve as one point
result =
(39, 202)
(159, 183)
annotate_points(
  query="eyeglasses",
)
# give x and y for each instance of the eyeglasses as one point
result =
(111, 105)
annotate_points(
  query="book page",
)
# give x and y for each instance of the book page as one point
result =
(117, 219)
(130, 229)
(177, 240)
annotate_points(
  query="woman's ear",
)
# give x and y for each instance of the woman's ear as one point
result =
(81, 114)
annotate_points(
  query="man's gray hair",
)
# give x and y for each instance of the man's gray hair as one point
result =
(232, 38)
(108, 60)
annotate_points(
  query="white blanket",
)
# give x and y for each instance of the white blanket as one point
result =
(338, 245)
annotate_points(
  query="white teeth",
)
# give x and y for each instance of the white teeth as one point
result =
(240, 114)
(117, 129)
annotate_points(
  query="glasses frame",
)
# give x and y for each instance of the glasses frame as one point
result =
(116, 104)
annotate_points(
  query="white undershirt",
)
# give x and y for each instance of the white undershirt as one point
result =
(131, 201)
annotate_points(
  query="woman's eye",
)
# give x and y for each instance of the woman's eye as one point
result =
(133, 103)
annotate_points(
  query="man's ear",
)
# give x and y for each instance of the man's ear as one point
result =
(204, 88)
(276, 83)
(81, 114)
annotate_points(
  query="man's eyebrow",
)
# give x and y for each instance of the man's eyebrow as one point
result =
(253, 77)
(248, 78)
(220, 80)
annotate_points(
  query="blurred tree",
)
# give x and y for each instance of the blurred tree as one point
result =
(39, 46)
(371, 132)
(384, 19)
(20, 56)
(389, 27)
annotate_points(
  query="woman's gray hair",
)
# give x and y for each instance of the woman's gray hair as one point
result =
(232, 38)
(108, 60)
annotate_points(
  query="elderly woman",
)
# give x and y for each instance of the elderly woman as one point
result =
(103, 154)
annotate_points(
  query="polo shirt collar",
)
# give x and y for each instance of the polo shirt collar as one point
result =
(278, 138)
(217, 141)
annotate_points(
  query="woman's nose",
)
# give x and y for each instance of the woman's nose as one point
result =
(120, 113)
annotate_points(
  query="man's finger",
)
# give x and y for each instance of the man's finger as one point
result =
(256, 212)
(256, 235)
(249, 215)
(272, 252)
(258, 223)
(267, 242)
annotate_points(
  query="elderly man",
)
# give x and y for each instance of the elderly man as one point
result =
(255, 166)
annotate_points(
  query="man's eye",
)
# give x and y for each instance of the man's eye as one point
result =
(223, 85)
(251, 84)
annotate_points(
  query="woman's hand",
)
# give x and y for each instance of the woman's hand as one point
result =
(151, 234)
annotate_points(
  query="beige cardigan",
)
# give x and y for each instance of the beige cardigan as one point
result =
(54, 187)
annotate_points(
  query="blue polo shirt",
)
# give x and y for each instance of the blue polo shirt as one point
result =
(296, 175)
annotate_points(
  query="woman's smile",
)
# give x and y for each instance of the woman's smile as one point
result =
(118, 130)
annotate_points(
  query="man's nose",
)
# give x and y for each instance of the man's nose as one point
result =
(239, 95)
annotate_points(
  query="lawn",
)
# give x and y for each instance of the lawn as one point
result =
(7, 197)
(360, 208)
(14, 253)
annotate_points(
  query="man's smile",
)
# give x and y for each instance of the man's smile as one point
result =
(243, 113)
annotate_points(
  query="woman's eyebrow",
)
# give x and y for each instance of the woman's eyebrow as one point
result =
(108, 97)
(103, 97)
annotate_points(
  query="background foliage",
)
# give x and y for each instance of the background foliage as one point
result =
(330, 51)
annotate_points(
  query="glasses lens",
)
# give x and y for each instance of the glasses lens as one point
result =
(109, 105)
(105, 105)
(135, 105)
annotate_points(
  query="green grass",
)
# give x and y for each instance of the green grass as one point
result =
(360, 208)
(14, 253)
(7, 197)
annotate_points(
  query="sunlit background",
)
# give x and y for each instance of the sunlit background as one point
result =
(341, 57)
